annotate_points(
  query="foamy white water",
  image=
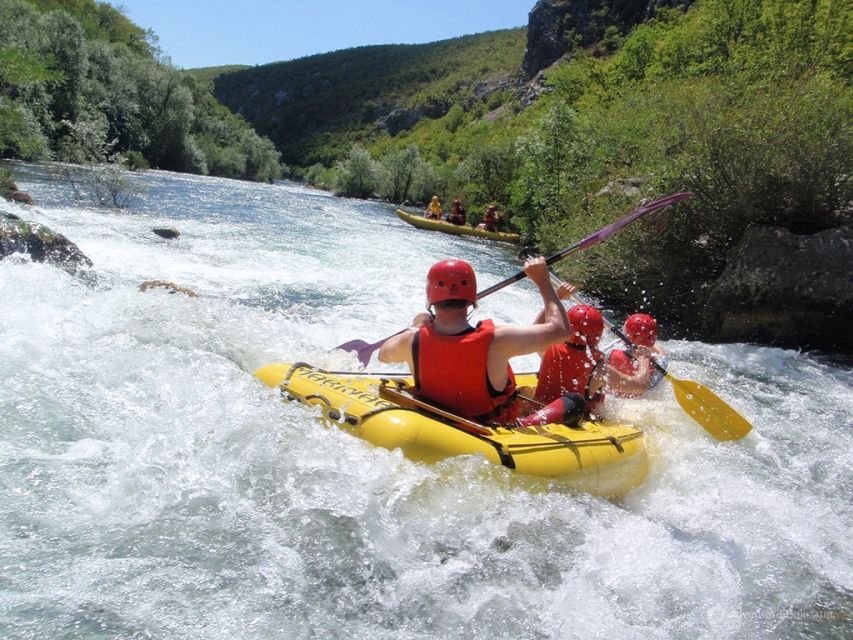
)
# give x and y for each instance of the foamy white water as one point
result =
(152, 488)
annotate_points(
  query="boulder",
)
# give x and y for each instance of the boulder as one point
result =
(167, 232)
(628, 188)
(18, 196)
(785, 289)
(530, 91)
(171, 287)
(41, 244)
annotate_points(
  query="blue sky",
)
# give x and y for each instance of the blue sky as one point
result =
(203, 33)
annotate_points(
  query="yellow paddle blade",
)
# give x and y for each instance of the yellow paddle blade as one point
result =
(709, 410)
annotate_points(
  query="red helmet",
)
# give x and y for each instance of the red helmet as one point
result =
(641, 329)
(586, 325)
(451, 280)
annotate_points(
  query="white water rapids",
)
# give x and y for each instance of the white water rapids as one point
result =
(151, 487)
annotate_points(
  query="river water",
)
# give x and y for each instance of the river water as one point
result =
(150, 487)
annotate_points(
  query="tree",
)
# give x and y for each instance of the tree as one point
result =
(554, 158)
(488, 172)
(400, 168)
(357, 174)
(63, 43)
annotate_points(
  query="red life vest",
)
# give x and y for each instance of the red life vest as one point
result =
(621, 361)
(568, 368)
(624, 363)
(451, 371)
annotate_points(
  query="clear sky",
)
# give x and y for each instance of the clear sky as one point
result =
(204, 33)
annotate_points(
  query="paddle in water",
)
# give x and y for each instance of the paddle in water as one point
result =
(364, 351)
(706, 408)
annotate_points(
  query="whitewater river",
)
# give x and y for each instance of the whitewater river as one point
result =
(150, 487)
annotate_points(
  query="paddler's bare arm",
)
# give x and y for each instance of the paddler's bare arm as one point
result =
(399, 348)
(565, 290)
(512, 340)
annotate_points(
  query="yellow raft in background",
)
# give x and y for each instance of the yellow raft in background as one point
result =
(417, 220)
(597, 458)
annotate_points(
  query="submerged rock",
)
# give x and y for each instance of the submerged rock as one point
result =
(170, 286)
(18, 196)
(41, 244)
(785, 289)
(169, 233)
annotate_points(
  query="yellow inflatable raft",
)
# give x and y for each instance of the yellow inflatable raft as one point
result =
(602, 459)
(417, 220)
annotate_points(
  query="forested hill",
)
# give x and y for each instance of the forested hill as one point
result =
(81, 83)
(315, 107)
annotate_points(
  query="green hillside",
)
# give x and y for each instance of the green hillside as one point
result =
(314, 108)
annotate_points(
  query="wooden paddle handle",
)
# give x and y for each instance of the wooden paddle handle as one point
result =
(407, 401)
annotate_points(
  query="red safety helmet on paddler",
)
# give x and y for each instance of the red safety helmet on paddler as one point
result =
(586, 324)
(641, 329)
(451, 280)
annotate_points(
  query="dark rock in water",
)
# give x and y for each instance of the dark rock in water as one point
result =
(41, 244)
(787, 290)
(167, 232)
(18, 196)
(10, 216)
(9, 190)
(170, 286)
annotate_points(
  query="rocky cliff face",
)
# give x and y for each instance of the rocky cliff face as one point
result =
(555, 27)
(785, 289)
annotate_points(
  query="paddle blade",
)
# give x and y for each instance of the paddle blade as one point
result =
(613, 227)
(709, 410)
(362, 350)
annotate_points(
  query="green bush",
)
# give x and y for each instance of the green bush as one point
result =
(358, 175)
(319, 176)
(135, 161)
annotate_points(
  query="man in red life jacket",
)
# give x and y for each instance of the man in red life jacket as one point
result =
(569, 382)
(457, 213)
(642, 330)
(463, 368)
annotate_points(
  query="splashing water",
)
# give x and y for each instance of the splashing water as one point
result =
(152, 488)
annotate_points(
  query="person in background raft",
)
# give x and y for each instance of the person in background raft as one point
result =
(642, 330)
(466, 369)
(457, 213)
(433, 209)
(490, 220)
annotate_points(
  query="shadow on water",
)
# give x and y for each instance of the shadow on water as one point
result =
(284, 299)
